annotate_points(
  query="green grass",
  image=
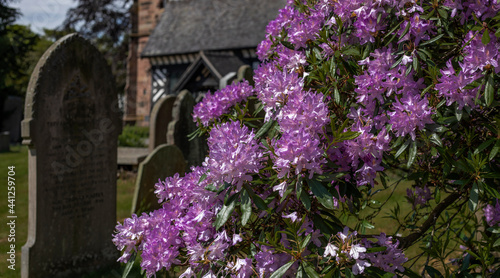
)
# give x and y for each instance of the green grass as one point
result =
(18, 157)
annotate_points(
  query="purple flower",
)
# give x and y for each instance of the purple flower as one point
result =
(410, 114)
(234, 154)
(273, 86)
(299, 151)
(420, 196)
(366, 23)
(268, 261)
(479, 55)
(305, 111)
(389, 260)
(492, 214)
(452, 87)
(331, 250)
(242, 268)
(219, 103)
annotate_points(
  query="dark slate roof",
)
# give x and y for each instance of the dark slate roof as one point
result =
(219, 65)
(189, 26)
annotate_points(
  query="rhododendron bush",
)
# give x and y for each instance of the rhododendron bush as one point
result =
(352, 100)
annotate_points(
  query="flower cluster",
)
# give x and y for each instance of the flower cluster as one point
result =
(215, 105)
(184, 221)
(478, 58)
(347, 250)
(492, 213)
(389, 260)
(419, 196)
(234, 154)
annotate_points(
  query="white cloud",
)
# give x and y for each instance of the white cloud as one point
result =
(43, 14)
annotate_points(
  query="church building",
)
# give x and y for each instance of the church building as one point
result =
(190, 44)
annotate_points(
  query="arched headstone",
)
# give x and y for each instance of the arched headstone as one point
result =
(163, 162)
(160, 118)
(181, 126)
(71, 126)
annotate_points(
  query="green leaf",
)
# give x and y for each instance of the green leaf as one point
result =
(300, 272)
(459, 113)
(310, 270)
(255, 198)
(336, 95)
(398, 61)
(431, 40)
(497, 243)
(486, 37)
(416, 63)
(434, 273)
(282, 270)
(437, 195)
(367, 224)
(474, 197)
(351, 51)
(489, 93)
(288, 45)
(202, 178)
(443, 13)
(321, 193)
(225, 212)
(483, 146)
(403, 148)
(412, 154)
(298, 187)
(408, 25)
(348, 273)
(306, 201)
(129, 265)
(348, 135)
(306, 241)
(436, 140)
(264, 129)
(494, 151)
(246, 207)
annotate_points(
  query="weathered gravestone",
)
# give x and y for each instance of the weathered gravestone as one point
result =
(160, 118)
(245, 72)
(71, 126)
(181, 126)
(163, 162)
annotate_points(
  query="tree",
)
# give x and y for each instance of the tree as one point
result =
(357, 101)
(16, 41)
(107, 24)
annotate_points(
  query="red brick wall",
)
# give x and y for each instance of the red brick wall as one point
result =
(147, 14)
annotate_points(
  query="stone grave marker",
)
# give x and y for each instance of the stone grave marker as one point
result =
(245, 72)
(4, 141)
(160, 118)
(71, 126)
(163, 162)
(181, 126)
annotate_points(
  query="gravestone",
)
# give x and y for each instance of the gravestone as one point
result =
(71, 127)
(163, 162)
(245, 72)
(160, 118)
(181, 126)
(4, 141)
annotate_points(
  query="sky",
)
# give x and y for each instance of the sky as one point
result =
(42, 13)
